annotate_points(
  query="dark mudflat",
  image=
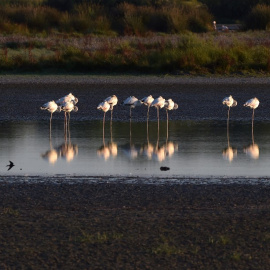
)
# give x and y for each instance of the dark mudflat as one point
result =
(134, 226)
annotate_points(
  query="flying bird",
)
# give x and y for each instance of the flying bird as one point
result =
(10, 165)
(132, 102)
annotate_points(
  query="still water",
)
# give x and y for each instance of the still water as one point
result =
(190, 149)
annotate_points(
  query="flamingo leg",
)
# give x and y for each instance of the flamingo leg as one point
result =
(104, 128)
(111, 122)
(252, 127)
(65, 125)
(167, 124)
(130, 113)
(158, 120)
(51, 126)
(68, 127)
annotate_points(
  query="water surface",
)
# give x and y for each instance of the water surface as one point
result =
(191, 149)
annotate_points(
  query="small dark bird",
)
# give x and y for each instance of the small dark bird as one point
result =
(11, 165)
(164, 168)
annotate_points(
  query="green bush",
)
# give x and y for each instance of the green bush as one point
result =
(258, 18)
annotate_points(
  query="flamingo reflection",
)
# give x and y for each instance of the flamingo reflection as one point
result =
(109, 149)
(252, 150)
(51, 156)
(229, 153)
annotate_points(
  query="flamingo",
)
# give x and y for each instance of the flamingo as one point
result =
(147, 101)
(67, 108)
(253, 104)
(51, 107)
(67, 98)
(158, 103)
(104, 106)
(230, 102)
(169, 105)
(112, 100)
(132, 102)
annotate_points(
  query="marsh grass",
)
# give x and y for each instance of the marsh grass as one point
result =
(190, 53)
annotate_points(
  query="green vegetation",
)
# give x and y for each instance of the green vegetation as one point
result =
(149, 36)
(187, 53)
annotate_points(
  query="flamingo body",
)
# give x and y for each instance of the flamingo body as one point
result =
(147, 100)
(112, 100)
(104, 106)
(169, 104)
(252, 103)
(68, 98)
(229, 101)
(51, 107)
(69, 107)
(132, 102)
(158, 102)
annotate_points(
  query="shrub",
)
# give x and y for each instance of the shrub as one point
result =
(258, 18)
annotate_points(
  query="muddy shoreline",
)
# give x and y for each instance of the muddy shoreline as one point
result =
(134, 226)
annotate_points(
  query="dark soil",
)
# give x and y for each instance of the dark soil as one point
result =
(134, 226)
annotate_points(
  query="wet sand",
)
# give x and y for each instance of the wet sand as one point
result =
(114, 225)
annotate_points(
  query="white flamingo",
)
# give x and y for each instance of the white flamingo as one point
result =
(67, 98)
(67, 108)
(230, 102)
(147, 101)
(169, 105)
(132, 102)
(51, 107)
(158, 103)
(104, 106)
(253, 103)
(112, 100)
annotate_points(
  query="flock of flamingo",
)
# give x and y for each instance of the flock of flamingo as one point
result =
(68, 102)
(253, 149)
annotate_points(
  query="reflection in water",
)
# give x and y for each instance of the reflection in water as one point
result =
(109, 149)
(229, 153)
(51, 156)
(147, 150)
(252, 151)
(68, 151)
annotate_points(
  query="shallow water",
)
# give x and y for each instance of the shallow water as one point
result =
(192, 149)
